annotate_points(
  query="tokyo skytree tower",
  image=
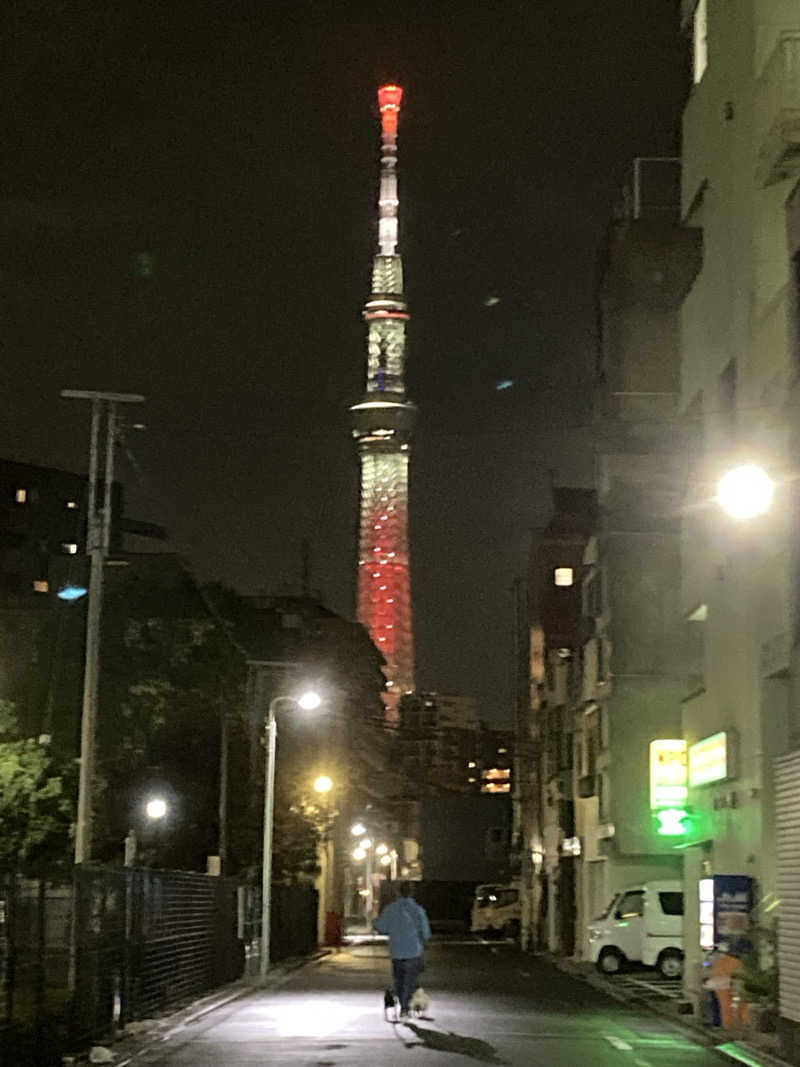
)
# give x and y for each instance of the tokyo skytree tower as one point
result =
(382, 426)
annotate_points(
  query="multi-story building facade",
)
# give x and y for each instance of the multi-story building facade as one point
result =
(633, 653)
(546, 741)
(739, 373)
(442, 749)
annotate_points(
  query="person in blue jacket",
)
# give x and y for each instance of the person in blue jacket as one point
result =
(407, 927)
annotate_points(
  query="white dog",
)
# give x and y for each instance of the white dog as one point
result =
(420, 1002)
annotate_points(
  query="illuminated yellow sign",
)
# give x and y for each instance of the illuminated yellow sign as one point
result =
(667, 773)
(709, 760)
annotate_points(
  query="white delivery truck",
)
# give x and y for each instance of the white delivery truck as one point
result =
(642, 924)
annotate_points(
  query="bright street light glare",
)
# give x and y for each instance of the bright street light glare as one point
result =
(156, 808)
(386, 860)
(745, 492)
(309, 700)
(381, 850)
(323, 784)
(359, 854)
(365, 843)
(357, 829)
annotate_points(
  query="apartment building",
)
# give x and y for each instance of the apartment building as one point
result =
(739, 374)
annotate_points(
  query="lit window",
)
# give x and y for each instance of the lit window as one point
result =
(563, 576)
(21, 496)
(502, 751)
(471, 763)
(41, 586)
(700, 39)
(69, 547)
(72, 505)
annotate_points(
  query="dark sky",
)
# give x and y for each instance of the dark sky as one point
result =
(237, 144)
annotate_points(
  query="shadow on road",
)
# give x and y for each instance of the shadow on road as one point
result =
(471, 1047)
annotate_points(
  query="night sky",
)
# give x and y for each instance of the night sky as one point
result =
(187, 211)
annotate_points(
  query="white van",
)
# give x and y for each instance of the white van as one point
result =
(496, 910)
(642, 924)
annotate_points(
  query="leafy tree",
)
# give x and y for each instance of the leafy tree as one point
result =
(34, 810)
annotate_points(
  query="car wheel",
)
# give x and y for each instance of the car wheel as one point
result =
(670, 963)
(610, 961)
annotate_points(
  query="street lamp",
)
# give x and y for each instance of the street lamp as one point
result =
(745, 492)
(357, 829)
(156, 808)
(308, 701)
(323, 784)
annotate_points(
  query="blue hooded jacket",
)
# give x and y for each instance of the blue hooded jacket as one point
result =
(407, 926)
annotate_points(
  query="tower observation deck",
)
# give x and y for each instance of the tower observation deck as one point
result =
(383, 422)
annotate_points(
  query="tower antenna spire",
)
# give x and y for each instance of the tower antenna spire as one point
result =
(383, 423)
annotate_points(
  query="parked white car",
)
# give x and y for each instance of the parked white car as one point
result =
(642, 924)
(496, 910)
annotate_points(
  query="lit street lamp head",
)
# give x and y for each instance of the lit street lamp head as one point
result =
(359, 854)
(357, 829)
(323, 784)
(745, 492)
(309, 701)
(365, 843)
(156, 808)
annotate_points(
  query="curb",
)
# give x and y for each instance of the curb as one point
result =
(742, 1052)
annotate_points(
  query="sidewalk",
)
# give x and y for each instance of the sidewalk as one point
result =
(752, 1049)
(142, 1036)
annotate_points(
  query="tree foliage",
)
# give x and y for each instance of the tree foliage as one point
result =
(34, 806)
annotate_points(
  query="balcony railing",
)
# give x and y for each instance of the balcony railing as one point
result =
(779, 110)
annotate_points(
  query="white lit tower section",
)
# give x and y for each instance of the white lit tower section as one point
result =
(382, 426)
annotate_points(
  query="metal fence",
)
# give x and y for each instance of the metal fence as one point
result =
(143, 941)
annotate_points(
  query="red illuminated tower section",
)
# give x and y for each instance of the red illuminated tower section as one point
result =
(382, 425)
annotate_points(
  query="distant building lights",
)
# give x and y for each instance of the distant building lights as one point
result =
(563, 576)
(41, 586)
(72, 505)
(21, 496)
(69, 547)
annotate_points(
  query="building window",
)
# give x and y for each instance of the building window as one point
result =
(21, 496)
(72, 505)
(69, 547)
(563, 576)
(700, 39)
(41, 585)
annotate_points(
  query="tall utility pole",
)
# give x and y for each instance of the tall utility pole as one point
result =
(98, 539)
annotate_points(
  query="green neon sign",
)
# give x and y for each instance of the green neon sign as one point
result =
(672, 822)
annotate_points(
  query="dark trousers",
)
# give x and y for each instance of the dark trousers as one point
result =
(406, 979)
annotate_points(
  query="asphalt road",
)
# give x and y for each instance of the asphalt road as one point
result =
(489, 1004)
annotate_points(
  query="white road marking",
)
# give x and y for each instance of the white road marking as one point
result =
(617, 1042)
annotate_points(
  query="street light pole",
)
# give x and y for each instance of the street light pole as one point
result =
(98, 539)
(308, 701)
(269, 811)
